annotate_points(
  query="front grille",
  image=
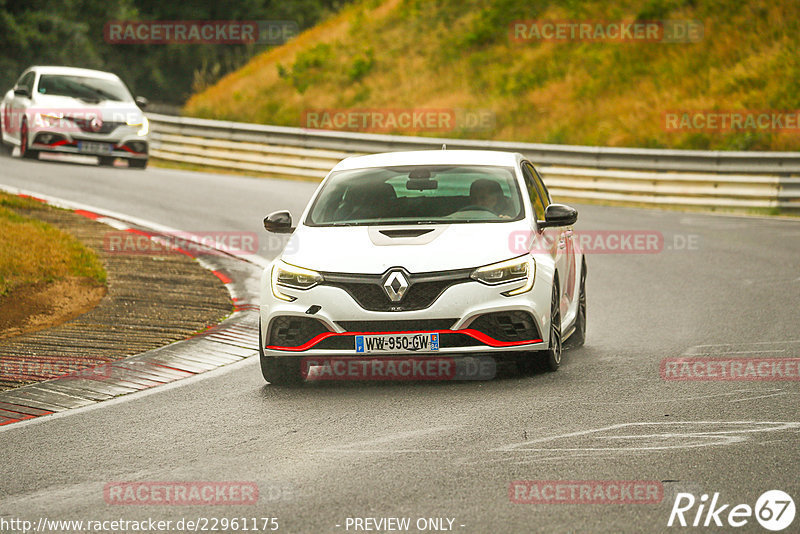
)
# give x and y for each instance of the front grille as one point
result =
(410, 325)
(290, 331)
(105, 128)
(423, 290)
(507, 326)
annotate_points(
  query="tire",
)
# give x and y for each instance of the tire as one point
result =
(578, 337)
(24, 151)
(550, 359)
(279, 371)
(106, 161)
(137, 163)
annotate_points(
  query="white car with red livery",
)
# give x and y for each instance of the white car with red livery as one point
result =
(74, 111)
(427, 253)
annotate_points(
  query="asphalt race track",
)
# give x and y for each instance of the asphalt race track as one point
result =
(323, 453)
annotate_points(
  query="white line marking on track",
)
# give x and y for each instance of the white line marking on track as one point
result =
(693, 439)
(760, 397)
(410, 434)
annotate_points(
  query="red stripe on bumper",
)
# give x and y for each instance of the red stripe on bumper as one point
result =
(478, 336)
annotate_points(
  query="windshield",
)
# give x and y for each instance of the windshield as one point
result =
(83, 87)
(416, 195)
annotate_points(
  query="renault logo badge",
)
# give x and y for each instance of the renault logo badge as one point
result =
(395, 286)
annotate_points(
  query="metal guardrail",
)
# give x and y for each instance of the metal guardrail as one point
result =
(716, 179)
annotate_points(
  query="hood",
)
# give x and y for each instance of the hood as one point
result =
(369, 250)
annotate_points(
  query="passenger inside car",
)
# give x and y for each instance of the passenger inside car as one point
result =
(487, 194)
(368, 201)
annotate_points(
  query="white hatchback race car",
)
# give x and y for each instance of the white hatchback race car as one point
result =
(75, 111)
(427, 253)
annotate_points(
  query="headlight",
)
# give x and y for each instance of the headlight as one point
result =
(50, 119)
(522, 268)
(285, 275)
(144, 123)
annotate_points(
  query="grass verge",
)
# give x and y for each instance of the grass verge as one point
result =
(33, 252)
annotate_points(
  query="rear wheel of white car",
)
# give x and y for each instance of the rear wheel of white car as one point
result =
(578, 337)
(24, 151)
(279, 371)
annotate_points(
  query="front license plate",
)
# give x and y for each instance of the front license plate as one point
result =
(394, 343)
(90, 147)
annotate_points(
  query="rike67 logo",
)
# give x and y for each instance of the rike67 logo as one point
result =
(774, 510)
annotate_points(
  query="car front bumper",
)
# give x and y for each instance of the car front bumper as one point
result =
(124, 142)
(454, 315)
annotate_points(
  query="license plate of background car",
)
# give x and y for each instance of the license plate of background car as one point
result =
(90, 147)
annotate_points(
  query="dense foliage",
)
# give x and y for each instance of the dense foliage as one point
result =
(459, 55)
(70, 32)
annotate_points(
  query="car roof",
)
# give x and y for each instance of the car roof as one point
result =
(74, 71)
(431, 157)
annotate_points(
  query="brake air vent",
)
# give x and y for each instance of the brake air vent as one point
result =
(507, 326)
(291, 331)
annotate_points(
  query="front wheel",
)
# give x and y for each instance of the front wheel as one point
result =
(24, 151)
(277, 370)
(551, 358)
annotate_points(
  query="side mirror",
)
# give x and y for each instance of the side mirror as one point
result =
(279, 222)
(558, 215)
(141, 101)
(22, 91)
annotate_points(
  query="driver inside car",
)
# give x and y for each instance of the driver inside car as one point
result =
(487, 194)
